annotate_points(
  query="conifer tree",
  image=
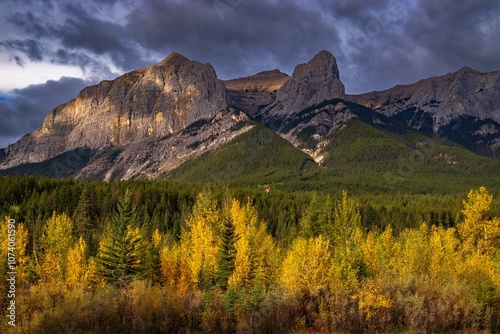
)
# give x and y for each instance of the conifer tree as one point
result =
(122, 249)
(227, 254)
(317, 218)
(81, 217)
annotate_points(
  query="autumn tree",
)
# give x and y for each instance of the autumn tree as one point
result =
(347, 238)
(200, 240)
(255, 251)
(346, 219)
(79, 268)
(56, 241)
(479, 231)
(305, 269)
(7, 234)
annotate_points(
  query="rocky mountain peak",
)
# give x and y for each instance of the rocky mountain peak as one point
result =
(467, 70)
(174, 58)
(311, 83)
(322, 65)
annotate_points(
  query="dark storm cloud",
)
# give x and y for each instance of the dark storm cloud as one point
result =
(458, 33)
(402, 41)
(31, 48)
(29, 23)
(236, 39)
(82, 31)
(23, 110)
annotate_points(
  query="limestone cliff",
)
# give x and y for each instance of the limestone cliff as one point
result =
(152, 102)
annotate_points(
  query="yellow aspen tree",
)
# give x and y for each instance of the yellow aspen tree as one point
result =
(443, 254)
(169, 266)
(244, 254)
(13, 252)
(478, 231)
(77, 271)
(305, 269)
(413, 260)
(10, 230)
(370, 254)
(56, 241)
(176, 272)
(347, 220)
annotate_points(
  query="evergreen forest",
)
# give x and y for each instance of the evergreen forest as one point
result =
(168, 257)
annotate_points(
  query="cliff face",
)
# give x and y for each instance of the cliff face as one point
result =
(252, 93)
(152, 103)
(463, 106)
(311, 83)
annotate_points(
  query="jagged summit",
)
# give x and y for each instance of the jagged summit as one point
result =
(311, 82)
(322, 64)
(142, 105)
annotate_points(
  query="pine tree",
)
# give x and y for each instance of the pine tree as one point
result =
(227, 254)
(81, 217)
(317, 218)
(122, 249)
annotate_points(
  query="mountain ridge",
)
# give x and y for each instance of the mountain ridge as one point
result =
(148, 122)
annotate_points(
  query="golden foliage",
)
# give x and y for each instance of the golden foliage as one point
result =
(78, 273)
(479, 232)
(200, 242)
(305, 269)
(254, 247)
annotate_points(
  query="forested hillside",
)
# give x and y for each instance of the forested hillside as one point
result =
(163, 257)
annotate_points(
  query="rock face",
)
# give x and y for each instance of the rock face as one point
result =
(311, 83)
(153, 102)
(252, 93)
(463, 106)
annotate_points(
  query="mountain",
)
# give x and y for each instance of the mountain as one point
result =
(138, 125)
(463, 107)
(177, 120)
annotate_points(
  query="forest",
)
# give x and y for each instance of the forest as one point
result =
(166, 257)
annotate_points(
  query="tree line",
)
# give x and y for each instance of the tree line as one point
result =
(226, 270)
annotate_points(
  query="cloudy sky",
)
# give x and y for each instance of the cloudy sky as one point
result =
(51, 49)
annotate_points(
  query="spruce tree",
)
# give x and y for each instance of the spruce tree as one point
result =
(81, 217)
(122, 249)
(227, 254)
